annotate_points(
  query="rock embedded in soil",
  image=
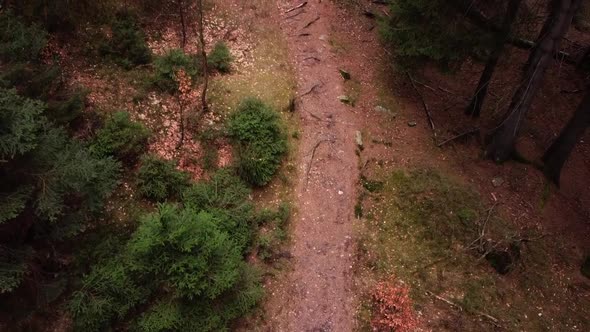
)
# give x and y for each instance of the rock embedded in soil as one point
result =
(497, 181)
(412, 124)
(381, 109)
(345, 75)
(344, 99)
(359, 140)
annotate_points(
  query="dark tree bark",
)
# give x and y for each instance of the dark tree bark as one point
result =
(474, 108)
(182, 23)
(204, 56)
(558, 153)
(502, 140)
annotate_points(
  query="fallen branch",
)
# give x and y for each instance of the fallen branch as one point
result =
(317, 145)
(311, 22)
(303, 4)
(310, 90)
(469, 132)
(312, 58)
(294, 15)
(495, 321)
(426, 109)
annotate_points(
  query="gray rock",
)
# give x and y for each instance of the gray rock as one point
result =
(345, 75)
(359, 139)
(344, 99)
(497, 181)
(412, 124)
(381, 109)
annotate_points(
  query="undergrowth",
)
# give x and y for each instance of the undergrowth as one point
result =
(260, 140)
(436, 236)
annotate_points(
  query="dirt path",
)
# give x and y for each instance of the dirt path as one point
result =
(318, 294)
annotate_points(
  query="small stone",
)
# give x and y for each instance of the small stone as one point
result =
(340, 192)
(412, 123)
(345, 75)
(324, 37)
(497, 181)
(359, 140)
(344, 99)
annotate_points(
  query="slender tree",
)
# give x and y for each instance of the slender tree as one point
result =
(200, 26)
(558, 153)
(502, 140)
(474, 108)
(182, 23)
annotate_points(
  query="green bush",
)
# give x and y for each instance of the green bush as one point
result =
(107, 293)
(185, 270)
(121, 137)
(226, 197)
(67, 108)
(158, 179)
(434, 30)
(19, 42)
(220, 58)
(127, 46)
(168, 65)
(71, 177)
(20, 123)
(260, 140)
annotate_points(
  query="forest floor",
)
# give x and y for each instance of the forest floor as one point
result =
(350, 232)
(350, 138)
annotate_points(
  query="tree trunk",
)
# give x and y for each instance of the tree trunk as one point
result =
(558, 153)
(204, 56)
(474, 108)
(502, 141)
(182, 23)
(181, 124)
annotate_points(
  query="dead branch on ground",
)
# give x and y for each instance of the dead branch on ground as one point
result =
(303, 4)
(310, 90)
(424, 105)
(467, 133)
(495, 321)
(313, 151)
(310, 23)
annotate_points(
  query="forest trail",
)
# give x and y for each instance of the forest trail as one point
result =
(318, 295)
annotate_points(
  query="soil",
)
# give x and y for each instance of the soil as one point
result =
(320, 293)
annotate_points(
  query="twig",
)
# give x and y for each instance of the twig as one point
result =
(312, 58)
(452, 304)
(425, 85)
(469, 132)
(317, 145)
(571, 91)
(303, 4)
(296, 14)
(446, 90)
(311, 22)
(310, 90)
(426, 109)
(495, 321)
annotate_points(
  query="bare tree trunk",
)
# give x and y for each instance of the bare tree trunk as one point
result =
(502, 141)
(182, 23)
(204, 56)
(182, 120)
(474, 108)
(558, 153)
